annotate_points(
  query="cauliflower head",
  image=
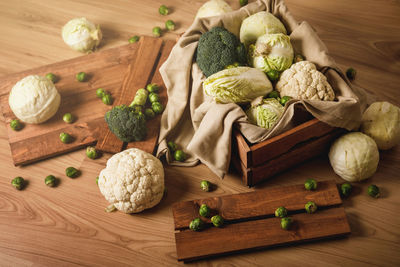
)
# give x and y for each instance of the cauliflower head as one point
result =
(132, 181)
(303, 81)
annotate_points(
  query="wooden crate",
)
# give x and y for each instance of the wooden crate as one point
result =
(258, 162)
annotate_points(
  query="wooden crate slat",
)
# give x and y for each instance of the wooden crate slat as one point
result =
(251, 235)
(258, 203)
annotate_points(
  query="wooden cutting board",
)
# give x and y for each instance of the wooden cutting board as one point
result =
(120, 71)
(251, 224)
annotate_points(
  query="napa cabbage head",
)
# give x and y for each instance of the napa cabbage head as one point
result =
(81, 35)
(237, 85)
(271, 52)
(265, 113)
(213, 8)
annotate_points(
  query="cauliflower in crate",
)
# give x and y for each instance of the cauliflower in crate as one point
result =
(132, 181)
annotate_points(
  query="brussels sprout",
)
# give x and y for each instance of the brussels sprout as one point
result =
(345, 189)
(265, 114)
(140, 98)
(284, 100)
(204, 210)
(273, 75)
(179, 155)
(157, 107)
(163, 10)
(50, 180)
(72, 172)
(217, 220)
(66, 138)
(91, 152)
(273, 94)
(298, 58)
(133, 39)
(310, 184)
(152, 88)
(286, 222)
(351, 73)
(205, 185)
(310, 207)
(373, 191)
(100, 92)
(16, 125)
(81, 77)
(170, 25)
(281, 212)
(149, 113)
(154, 97)
(52, 77)
(107, 99)
(243, 2)
(172, 146)
(196, 225)
(18, 183)
(68, 118)
(156, 31)
(97, 180)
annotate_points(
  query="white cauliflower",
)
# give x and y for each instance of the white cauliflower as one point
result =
(303, 81)
(132, 181)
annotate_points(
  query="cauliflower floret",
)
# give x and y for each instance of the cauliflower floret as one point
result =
(132, 181)
(303, 81)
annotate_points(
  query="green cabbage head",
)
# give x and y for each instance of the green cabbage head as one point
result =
(259, 24)
(271, 52)
(266, 113)
(237, 85)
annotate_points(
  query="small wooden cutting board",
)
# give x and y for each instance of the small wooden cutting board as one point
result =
(250, 222)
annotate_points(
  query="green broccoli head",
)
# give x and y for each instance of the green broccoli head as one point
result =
(217, 49)
(126, 123)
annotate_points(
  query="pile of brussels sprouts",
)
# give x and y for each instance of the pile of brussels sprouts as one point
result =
(205, 211)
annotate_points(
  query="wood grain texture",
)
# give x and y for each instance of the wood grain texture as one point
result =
(67, 225)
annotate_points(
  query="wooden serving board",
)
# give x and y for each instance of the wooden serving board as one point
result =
(250, 223)
(120, 71)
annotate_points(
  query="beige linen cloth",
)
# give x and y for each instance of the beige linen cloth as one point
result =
(203, 128)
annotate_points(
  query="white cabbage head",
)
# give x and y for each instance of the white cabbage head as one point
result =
(81, 35)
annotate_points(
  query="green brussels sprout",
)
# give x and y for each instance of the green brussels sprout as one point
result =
(281, 212)
(149, 113)
(298, 58)
(154, 97)
(16, 125)
(345, 189)
(100, 92)
(204, 210)
(311, 207)
(273, 94)
(66, 138)
(97, 180)
(18, 183)
(351, 73)
(373, 191)
(205, 185)
(179, 155)
(152, 88)
(156, 31)
(140, 98)
(91, 152)
(217, 220)
(172, 146)
(72, 172)
(196, 225)
(107, 99)
(68, 118)
(81, 77)
(163, 10)
(52, 77)
(50, 180)
(273, 75)
(170, 25)
(286, 222)
(157, 107)
(310, 184)
(133, 39)
(284, 100)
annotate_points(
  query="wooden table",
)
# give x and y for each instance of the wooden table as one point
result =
(67, 225)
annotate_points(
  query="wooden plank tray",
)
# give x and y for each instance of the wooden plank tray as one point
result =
(120, 71)
(250, 222)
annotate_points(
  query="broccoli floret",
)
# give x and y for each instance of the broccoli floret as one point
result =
(126, 123)
(217, 49)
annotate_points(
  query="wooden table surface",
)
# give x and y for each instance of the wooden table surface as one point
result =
(67, 225)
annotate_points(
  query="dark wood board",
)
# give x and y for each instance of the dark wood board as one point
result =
(250, 222)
